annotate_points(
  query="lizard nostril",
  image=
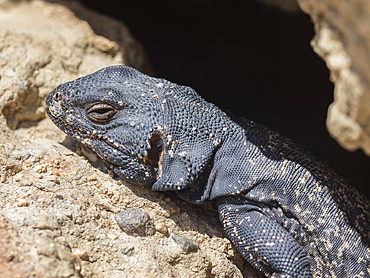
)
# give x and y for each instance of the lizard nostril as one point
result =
(58, 96)
(54, 104)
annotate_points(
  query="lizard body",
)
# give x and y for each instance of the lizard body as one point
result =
(285, 211)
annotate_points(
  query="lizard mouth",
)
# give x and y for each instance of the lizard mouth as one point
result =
(155, 153)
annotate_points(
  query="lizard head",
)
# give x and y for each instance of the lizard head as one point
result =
(116, 113)
(149, 131)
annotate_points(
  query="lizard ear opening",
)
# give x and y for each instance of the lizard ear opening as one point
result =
(155, 153)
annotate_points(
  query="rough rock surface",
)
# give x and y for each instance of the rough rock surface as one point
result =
(57, 211)
(343, 40)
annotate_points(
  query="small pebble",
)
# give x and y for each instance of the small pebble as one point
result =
(128, 250)
(22, 203)
(112, 236)
(175, 209)
(184, 216)
(40, 168)
(56, 172)
(59, 197)
(18, 177)
(68, 213)
(77, 268)
(82, 254)
(53, 179)
(135, 222)
(126, 201)
(185, 243)
(34, 197)
(167, 213)
(92, 178)
(161, 227)
(78, 221)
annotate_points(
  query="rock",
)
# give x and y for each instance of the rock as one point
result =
(161, 227)
(15, 256)
(127, 250)
(342, 40)
(44, 44)
(185, 243)
(135, 222)
(57, 209)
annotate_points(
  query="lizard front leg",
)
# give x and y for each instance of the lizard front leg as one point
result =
(262, 241)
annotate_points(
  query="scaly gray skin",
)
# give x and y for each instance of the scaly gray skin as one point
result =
(287, 213)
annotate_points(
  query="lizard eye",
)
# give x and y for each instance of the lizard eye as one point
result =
(101, 113)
